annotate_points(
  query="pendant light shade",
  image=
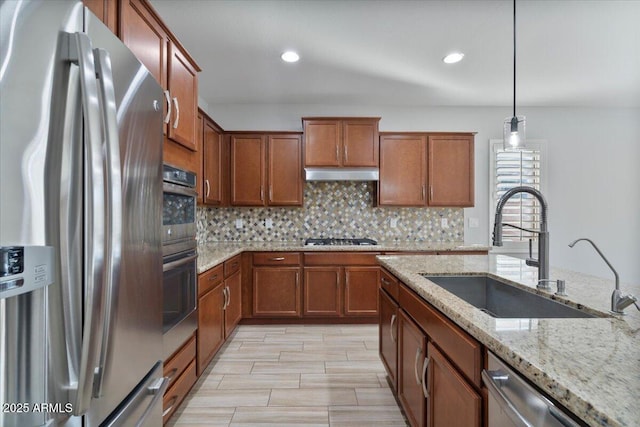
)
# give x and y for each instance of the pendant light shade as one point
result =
(514, 133)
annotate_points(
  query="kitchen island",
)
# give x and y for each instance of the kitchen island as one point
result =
(590, 366)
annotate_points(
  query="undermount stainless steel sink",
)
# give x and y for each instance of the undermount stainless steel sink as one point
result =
(502, 300)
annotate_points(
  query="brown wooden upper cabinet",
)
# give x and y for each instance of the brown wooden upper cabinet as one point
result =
(151, 41)
(424, 169)
(213, 177)
(340, 142)
(266, 169)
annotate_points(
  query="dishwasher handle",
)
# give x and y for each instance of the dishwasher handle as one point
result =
(495, 379)
(490, 380)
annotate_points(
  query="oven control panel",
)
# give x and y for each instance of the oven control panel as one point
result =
(178, 176)
(24, 269)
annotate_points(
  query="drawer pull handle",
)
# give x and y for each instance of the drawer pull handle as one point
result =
(385, 281)
(425, 366)
(170, 407)
(280, 258)
(393, 320)
(212, 278)
(171, 374)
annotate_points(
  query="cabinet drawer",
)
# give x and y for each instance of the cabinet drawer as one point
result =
(231, 266)
(209, 279)
(276, 258)
(462, 349)
(389, 283)
(340, 258)
(179, 362)
(176, 394)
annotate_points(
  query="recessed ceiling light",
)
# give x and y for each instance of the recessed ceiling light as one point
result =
(452, 58)
(290, 56)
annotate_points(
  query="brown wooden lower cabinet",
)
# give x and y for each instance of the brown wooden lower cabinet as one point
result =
(452, 401)
(233, 305)
(210, 325)
(180, 369)
(322, 291)
(412, 347)
(176, 394)
(388, 337)
(361, 291)
(438, 364)
(276, 291)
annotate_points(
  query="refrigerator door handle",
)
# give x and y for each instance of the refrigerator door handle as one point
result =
(113, 185)
(157, 390)
(152, 388)
(80, 52)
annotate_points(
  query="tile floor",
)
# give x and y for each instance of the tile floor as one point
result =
(294, 375)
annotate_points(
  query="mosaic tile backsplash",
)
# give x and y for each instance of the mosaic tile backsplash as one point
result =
(331, 209)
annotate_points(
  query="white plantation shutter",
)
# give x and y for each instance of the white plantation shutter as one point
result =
(512, 169)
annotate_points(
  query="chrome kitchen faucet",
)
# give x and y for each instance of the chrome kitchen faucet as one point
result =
(543, 235)
(618, 301)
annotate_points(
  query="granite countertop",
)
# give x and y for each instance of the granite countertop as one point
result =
(211, 254)
(591, 366)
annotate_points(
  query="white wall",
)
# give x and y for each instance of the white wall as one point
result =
(594, 168)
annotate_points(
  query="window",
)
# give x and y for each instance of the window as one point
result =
(511, 169)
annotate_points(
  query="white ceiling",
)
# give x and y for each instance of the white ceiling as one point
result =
(359, 52)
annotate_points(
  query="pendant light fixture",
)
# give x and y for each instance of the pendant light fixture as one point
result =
(514, 135)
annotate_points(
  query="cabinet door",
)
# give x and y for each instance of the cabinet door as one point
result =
(411, 359)
(360, 143)
(285, 170)
(452, 401)
(183, 87)
(276, 291)
(247, 170)
(200, 169)
(402, 171)
(388, 337)
(322, 142)
(322, 291)
(143, 34)
(233, 308)
(210, 325)
(451, 170)
(361, 291)
(212, 152)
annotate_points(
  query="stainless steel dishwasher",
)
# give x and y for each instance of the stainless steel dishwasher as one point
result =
(513, 402)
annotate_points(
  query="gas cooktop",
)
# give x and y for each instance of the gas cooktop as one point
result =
(340, 242)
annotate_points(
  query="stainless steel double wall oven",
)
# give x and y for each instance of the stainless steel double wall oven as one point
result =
(179, 257)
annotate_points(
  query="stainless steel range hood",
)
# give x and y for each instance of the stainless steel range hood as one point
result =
(341, 174)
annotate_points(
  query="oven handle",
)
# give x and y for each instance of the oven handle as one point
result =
(168, 187)
(171, 265)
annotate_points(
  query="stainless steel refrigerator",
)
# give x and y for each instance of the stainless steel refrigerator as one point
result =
(80, 223)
